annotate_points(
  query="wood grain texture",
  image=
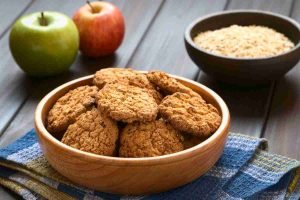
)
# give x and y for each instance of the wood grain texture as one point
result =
(9, 12)
(277, 6)
(163, 47)
(12, 77)
(10, 100)
(12, 93)
(134, 176)
(283, 125)
(248, 106)
(136, 25)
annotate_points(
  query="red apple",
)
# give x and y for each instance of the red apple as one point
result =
(101, 28)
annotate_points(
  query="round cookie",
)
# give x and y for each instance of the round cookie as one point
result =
(93, 132)
(127, 103)
(126, 76)
(112, 75)
(189, 114)
(68, 107)
(168, 84)
(149, 139)
(142, 81)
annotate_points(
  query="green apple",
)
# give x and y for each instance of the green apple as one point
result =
(44, 43)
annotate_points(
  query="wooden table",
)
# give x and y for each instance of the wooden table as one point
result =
(154, 40)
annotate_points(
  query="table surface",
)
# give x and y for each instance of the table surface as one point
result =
(154, 40)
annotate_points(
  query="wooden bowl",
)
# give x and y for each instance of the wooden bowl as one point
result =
(248, 71)
(133, 176)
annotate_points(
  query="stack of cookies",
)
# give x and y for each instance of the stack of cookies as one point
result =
(126, 113)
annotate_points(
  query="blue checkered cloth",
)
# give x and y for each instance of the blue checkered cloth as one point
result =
(244, 171)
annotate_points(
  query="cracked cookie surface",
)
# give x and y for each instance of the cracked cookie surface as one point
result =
(93, 132)
(168, 84)
(149, 139)
(189, 114)
(113, 75)
(126, 76)
(127, 103)
(68, 107)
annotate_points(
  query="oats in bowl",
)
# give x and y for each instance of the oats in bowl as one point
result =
(244, 41)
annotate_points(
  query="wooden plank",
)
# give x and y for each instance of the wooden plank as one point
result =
(163, 47)
(283, 125)
(12, 94)
(248, 106)
(277, 6)
(12, 77)
(138, 15)
(10, 11)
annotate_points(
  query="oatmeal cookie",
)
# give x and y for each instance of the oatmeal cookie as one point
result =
(168, 84)
(112, 75)
(126, 76)
(127, 103)
(149, 139)
(93, 132)
(189, 114)
(71, 105)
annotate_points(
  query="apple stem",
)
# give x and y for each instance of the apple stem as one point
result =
(43, 21)
(89, 3)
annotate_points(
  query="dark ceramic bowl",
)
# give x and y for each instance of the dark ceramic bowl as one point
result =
(250, 71)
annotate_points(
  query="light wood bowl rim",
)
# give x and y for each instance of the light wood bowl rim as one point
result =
(117, 161)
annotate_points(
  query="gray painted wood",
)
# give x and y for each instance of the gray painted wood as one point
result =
(277, 6)
(9, 12)
(163, 47)
(283, 125)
